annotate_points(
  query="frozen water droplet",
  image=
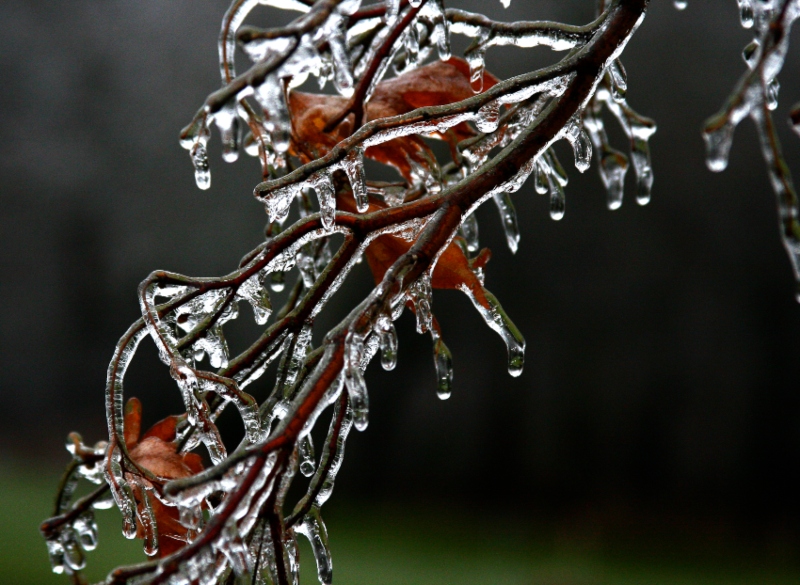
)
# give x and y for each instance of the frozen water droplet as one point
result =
(277, 281)
(443, 360)
(488, 117)
(86, 530)
(190, 517)
(306, 452)
(73, 554)
(55, 551)
(613, 167)
(202, 172)
(718, 135)
(680, 4)
(750, 52)
(771, 93)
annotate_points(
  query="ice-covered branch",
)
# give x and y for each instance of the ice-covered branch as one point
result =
(209, 524)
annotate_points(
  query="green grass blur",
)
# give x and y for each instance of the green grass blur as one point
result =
(385, 545)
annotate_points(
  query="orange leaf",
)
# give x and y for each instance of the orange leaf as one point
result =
(432, 85)
(157, 451)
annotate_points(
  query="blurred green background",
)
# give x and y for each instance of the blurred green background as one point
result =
(388, 544)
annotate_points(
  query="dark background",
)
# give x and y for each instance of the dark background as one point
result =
(660, 389)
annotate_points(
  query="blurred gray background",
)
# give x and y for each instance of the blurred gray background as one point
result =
(662, 360)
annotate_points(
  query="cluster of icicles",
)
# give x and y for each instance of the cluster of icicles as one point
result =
(756, 96)
(245, 546)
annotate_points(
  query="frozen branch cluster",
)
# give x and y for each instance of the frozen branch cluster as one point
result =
(756, 96)
(232, 521)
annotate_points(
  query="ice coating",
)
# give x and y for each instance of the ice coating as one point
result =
(313, 528)
(233, 510)
(469, 229)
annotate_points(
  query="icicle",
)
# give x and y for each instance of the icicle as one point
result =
(147, 517)
(336, 34)
(640, 155)
(214, 344)
(619, 80)
(508, 215)
(581, 145)
(278, 203)
(469, 229)
(718, 135)
(55, 551)
(326, 197)
(336, 457)
(202, 172)
(476, 58)
(353, 166)
(354, 381)
(412, 46)
(557, 198)
(270, 96)
(420, 294)
(613, 167)
(392, 10)
(497, 319)
(540, 181)
(253, 290)
(443, 360)
(230, 544)
(227, 122)
(306, 450)
(388, 342)
(433, 12)
(746, 15)
(123, 493)
(505, 3)
(313, 528)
